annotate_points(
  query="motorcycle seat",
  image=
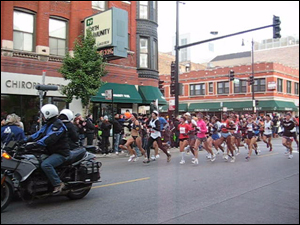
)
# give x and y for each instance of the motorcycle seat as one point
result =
(75, 155)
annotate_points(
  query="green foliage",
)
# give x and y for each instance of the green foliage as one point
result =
(84, 70)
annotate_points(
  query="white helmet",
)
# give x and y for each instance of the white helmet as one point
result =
(49, 111)
(68, 113)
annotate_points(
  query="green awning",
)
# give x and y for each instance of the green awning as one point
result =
(205, 107)
(181, 108)
(150, 93)
(270, 105)
(238, 106)
(123, 93)
(274, 105)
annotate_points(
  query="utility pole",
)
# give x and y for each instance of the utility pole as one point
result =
(252, 62)
(177, 61)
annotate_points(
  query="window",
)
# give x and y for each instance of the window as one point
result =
(99, 5)
(279, 85)
(144, 53)
(211, 87)
(241, 87)
(144, 10)
(289, 87)
(23, 31)
(155, 55)
(57, 37)
(223, 87)
(296, 88)
(260, 85)
(197, 89)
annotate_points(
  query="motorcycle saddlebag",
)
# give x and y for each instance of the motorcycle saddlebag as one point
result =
(90, 171)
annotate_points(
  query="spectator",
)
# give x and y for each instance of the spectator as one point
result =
(11, 130)
(105, 128)
(117, 128)
(80, 124)
(90, 129)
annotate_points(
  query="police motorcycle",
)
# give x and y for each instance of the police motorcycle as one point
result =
(21, 174)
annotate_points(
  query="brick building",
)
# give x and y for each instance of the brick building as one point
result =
(276, 88)
(36, 35)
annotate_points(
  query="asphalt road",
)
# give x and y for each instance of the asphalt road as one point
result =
(263, 190)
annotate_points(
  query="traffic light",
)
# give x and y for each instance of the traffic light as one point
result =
(172, 85)
(231, 75)
(251, 80)
(276, 27)
(256, 102)
(161, 86)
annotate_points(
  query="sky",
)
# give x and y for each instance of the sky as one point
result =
(199, 18)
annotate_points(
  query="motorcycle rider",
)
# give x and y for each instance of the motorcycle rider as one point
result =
(53, 136)
(66, 116)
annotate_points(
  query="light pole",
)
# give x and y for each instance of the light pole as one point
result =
(252, 75)
(177, 60)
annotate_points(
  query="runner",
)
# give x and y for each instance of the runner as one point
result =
(287, 137)
(268, 127)
(154, 125)
(184, 129)
(250, 136)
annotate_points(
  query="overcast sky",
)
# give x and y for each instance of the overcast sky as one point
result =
(199, 18)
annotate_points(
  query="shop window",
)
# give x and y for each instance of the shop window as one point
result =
(240, 87)
(57, 37)
(23, 33)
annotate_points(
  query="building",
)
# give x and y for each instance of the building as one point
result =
(209, 91)
(51, 27)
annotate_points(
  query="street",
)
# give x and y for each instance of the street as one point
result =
(263, 190)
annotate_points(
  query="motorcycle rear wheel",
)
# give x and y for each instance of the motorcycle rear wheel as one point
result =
(6, 195)
(73, 195)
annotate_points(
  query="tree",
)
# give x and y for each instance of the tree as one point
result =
(84, 71)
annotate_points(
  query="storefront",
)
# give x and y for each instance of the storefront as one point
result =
(18, 95)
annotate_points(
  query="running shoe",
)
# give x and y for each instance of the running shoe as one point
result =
(187, 148)
(268, 145)
(246, 146)
(247, 158)
(271, 149)
(131, 158)
(195, 162)
(157, 156)
(225, 157)
(232, 159)
(146, 161)
(256, 152)
(290, 156)
(182, 162)
(135, 159)
(208, 156)
(213, 158)
(153, 157)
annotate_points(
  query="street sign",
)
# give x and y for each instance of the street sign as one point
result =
(108, 94)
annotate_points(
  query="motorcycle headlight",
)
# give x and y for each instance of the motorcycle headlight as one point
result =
(6, 156)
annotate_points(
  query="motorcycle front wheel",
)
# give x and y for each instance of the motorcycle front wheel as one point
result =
(73, 195)
(6, 195)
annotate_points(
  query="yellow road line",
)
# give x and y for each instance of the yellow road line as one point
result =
(123, 182)
(268, 155)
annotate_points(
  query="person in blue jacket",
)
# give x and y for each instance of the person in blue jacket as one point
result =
(53, 136)
(11, 131)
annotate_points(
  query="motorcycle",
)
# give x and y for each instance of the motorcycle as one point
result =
(21, 174)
